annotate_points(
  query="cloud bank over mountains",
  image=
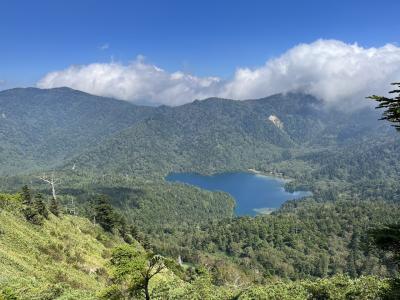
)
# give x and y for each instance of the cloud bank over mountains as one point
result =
(328, 69)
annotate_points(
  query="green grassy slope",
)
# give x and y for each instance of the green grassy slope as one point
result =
(64, 259)
(67, 258)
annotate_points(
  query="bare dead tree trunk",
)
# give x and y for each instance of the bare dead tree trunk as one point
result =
(52, 181)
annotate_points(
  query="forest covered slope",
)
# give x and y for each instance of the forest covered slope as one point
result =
(101, 147)
(64, 128)
(68, 257)
(41, 128)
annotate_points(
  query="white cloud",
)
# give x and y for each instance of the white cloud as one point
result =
(328, 69)
(331, 70)
(136, 82)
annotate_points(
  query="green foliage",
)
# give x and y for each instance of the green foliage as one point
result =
(54, 207)
(94, 133)
(153, 206)
(33, 216)
(303, 239)
(7, 294)
(202, 288)
(133, 269)
(339, 287)
(342, 287)
(64, 252)
(276, 290)
(34, 209)
(215, 135)
(391, 106)
(43, 127)
(388, 239)
(10, 202)
(107, 147)
(104, 213)
(393, 293)
(60, 260)
(26, 196)
(40, 206)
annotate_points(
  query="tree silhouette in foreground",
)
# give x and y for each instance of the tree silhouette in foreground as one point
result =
(388, 237)
(132, 271)
(391, 106)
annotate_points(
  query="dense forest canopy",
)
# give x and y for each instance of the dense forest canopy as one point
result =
(110, 159)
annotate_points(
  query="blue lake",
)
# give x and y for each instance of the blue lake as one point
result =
(253, 193)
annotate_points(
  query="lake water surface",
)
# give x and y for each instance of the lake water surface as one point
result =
(253, 193)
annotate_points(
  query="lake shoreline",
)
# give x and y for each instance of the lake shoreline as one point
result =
(254, 193)
(270, 174)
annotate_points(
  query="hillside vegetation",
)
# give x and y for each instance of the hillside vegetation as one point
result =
(41, 128)
(65, 258)
(69, 258)
(111, 152)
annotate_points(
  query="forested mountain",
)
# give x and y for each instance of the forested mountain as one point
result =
(330, 151)
(218, 134)
(102, 147)
(43, 129)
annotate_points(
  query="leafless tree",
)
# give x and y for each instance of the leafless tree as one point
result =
(50, 179)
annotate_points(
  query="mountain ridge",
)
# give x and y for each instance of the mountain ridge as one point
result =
(50, 128)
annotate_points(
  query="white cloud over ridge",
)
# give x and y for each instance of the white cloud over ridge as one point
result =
(328, 69)
(135, 82)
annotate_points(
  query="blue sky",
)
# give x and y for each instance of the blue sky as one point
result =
(203, 38)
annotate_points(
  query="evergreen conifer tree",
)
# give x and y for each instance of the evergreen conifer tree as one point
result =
(104, 213)
(29, 208)
(391, 106)
(26, 196)
(40, 206)
(54, 207)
